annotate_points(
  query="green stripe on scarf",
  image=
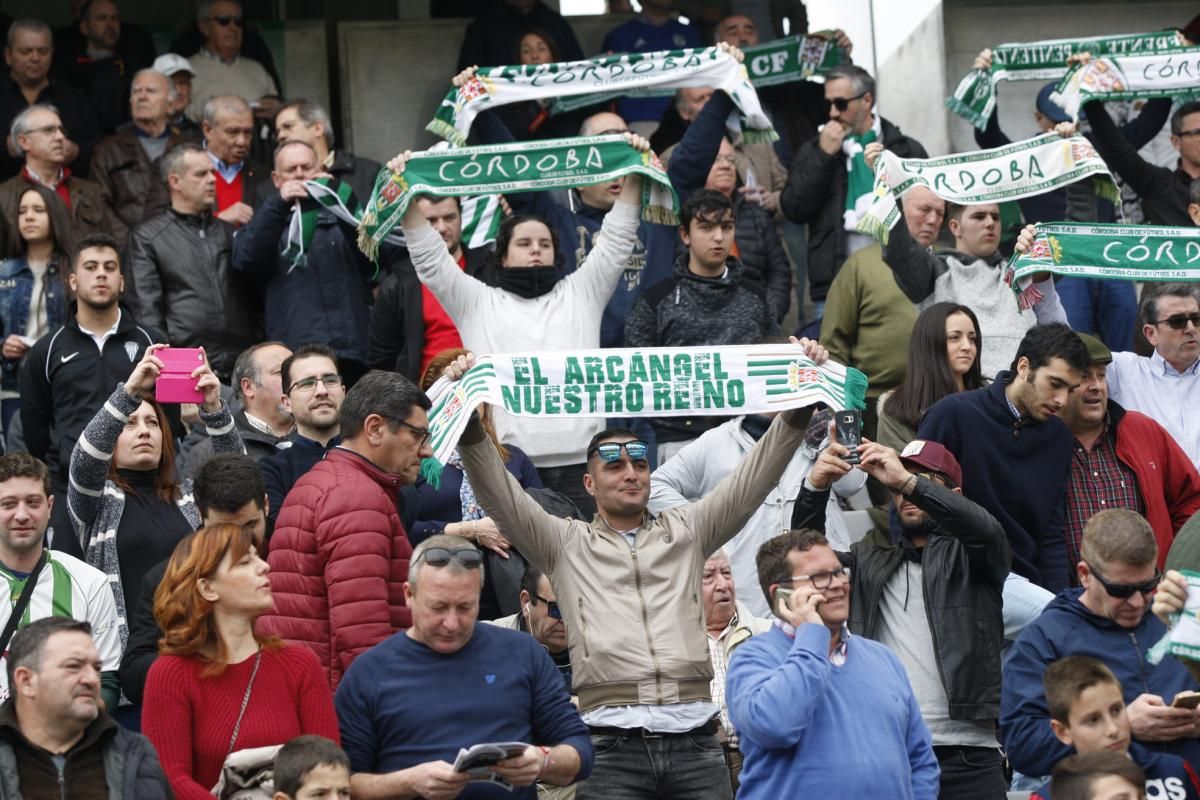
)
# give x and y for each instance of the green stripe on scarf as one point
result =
(1092, 250)
(641, 382)
(1020, 169)
(792, 59)
(574, 84)
(517, 167)
(974, 98)
(1169, 72)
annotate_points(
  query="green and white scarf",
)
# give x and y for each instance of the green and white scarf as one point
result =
(792, 59)
(1182, 638)
(481, 217)
(573, 84)
(1170, 72)
(975, 96)
(1021, 169)
(516, 167)
(1093, 250)
(641, 382)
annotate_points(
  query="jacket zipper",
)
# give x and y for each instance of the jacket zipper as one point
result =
(637, 582)
(1141, 661)
(583, 624)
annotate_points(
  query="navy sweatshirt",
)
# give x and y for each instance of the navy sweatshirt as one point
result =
(1017, 469)
(1167, 776)
(402, 704)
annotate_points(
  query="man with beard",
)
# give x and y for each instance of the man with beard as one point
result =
(70, 372)
(932, 592)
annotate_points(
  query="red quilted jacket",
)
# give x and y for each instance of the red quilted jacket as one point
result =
(339, 558)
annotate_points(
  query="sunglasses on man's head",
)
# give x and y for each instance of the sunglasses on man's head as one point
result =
(1180, 321)
(1124, 591)
(842, 103)
(611, 451)
(467, 557)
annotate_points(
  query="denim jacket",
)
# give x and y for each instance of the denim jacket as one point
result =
(16, 290)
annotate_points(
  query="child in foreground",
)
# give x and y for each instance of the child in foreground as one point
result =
(1102, 775)
(311, 768)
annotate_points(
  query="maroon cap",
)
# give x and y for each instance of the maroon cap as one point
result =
(932, 456)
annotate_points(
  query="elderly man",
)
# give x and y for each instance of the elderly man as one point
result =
(220, 70)
(326, 299)
(39, 135)
(830, 183)
(126, 163)
(1123, 459)
(179, 266)
(1109, 619)
(228, 126)
(28, 53)
(180, 71)
(55, 740)
(1165, 385)
(491, 685)
(729, 623)
(644, 688)
(868, 320)
(308, 122)
(821, 713)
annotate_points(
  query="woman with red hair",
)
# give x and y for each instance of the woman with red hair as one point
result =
(217, 686)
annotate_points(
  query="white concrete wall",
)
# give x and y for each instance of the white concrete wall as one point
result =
(969, 29)
(304, 64)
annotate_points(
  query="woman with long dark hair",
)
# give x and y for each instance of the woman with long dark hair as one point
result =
(217, 686)
(33, 298)
(943, 358)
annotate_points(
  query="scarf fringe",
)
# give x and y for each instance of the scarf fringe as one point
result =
(659, 215)
(431, 471)
(856, 389)
(873, 227)
(966, 111)
(756, 136)
(445, 130)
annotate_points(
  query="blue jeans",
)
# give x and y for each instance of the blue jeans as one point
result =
(684, 766)
(1023, 603)
(1103, 308)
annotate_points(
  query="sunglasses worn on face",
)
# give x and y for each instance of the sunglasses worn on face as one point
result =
(842, 103)
(552, 609)
(468, 557)
(1180, 321)
(611, 451)
(225, 20)
(1124, 591)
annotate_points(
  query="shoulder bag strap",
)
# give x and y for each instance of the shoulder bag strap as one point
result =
(18, 609)
(245, 702)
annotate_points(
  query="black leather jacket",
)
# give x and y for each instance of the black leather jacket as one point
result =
(964, 564)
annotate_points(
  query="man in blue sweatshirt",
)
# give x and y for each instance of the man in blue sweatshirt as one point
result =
(407, 706)
(1015, 452)
(1109, 619)
(821, 713)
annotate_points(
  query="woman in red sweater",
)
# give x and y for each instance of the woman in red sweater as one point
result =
(214, 589)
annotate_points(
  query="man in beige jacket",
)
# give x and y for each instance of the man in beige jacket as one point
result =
(629, 584)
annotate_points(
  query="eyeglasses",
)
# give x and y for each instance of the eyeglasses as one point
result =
(467, 557)
(226, 20)
(330, 379)
(1188, 134)
(552, 609)
(820, 580)
(611, 451)
(1123, 591)
(1180, 321)
(49, 130)
(424, 433)
(842, 103)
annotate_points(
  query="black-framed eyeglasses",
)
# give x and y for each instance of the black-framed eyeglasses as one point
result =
(611, 451)
(1180, 321)
(467, 557)
(225, 20)
(820, 580)
(424, 433)
(1188, 134)
(842, 103)
(330, 379)
(552, 609)
(1124, 591)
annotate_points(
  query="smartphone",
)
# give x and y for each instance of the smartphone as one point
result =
(1186, 700)
(849, 432)
(175, 383)
(781, 601)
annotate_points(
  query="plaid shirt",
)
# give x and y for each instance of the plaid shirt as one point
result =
(1099, 481)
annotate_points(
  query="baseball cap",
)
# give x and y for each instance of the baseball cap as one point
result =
(1050, 109)
(932, 456)
(170, 63)
(1098, 352)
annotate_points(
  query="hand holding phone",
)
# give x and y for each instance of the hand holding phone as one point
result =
(175, 383)
(1186, 700)
(800, 611)
(849, 432)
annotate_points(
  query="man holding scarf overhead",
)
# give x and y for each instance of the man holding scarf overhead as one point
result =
(830, 183)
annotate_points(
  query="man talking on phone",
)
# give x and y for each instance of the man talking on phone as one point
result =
(931, 591)
(821, 712)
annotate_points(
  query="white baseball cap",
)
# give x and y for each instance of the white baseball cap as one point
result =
(170, 63)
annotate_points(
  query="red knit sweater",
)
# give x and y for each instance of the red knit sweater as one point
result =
(189, 719)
